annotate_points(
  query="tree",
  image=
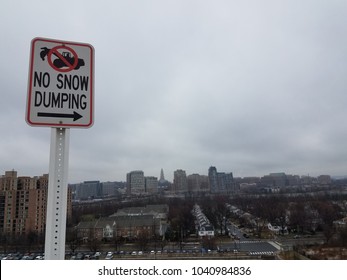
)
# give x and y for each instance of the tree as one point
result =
(4, 242)
(94, 243)
(209, 243)
(222, 214)
(181, 219)
(328, 232)
(297, 216)
(31, 239)
(343, 237)
(143, 239)
(117, 241)
(217, 212)
(327, 211)
(72, 239)
(262, 209)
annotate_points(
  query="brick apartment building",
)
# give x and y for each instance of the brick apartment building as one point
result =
(23, 204)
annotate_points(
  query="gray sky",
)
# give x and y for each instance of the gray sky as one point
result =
(250, 87)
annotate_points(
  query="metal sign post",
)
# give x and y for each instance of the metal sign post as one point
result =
(60, 96)
(57, 194)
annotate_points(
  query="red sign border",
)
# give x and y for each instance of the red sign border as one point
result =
(30, 83)
(54, 51)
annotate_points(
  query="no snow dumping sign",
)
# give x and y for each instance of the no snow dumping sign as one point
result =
(61, 84)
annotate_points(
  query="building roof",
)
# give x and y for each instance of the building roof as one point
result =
(136, 221)
(99, 223)
(120, 221)
(136, 211)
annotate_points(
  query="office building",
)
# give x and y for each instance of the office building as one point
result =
(151, 184)
(136, 182)
(220, 182)
(198, 183)
(180, 184)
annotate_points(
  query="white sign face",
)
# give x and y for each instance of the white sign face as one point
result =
(61, 84)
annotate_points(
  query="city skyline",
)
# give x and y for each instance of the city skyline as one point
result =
(250, 88)
(162, 172)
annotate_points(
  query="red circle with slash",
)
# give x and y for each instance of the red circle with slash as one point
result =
(68, 65)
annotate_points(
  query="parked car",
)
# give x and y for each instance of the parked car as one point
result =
(109, 256)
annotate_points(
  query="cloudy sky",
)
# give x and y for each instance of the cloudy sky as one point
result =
(248, 86)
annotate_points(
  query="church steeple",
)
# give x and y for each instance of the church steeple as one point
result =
(163, 184)
(162, 178)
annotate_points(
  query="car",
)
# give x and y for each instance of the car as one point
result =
(134, 253)
(79, 256)
(109, 256)
(97, 254)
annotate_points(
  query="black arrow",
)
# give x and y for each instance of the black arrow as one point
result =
(76, 116)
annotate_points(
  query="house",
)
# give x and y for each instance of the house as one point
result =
(342, 223)
(100, 229)
(277, 229)
(206, 230)
(130, 223)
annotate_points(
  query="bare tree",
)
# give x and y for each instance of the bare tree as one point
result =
(4, 242)
(343, 237)
(143, 239)
(94, 243)
(298, 216)
(72, 239)
(209, 243)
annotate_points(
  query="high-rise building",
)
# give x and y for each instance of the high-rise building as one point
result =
(198, 183)
(275, 180)
(324, 179)
(151, 184)
(213, 179)
(136, 182)
(110, 188)
(23, 204)
(87, 190)
(180, 184)
(220, 182)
